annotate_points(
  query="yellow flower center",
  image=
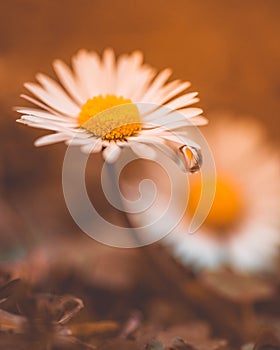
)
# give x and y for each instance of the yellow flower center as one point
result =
(226, 208)
(110, 118)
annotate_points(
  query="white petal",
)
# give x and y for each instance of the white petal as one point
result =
(161, 118)
(179, 102)
(147, 138)
(47, 116)
(45, 126)
(173, 138)
(191, 96)
(121, 77)
(44, 121)
(40, 104)
(191, 102)
(255, 247)
(109, 72)
(87, 68)
(190, 112)
(111, 153)
(178, 137)
(54, 102)
(68, 80)
(150, 111)
(56, 90)
(197, 250)
(127, 73)
(94, 146)
(160, 95)
(174, 92)
(199, 120)
(50, 139)
(143, 150)
(159, 81)
(144, 80)
(169, 152)
(136, 58)
(167, 124)
(76, 141)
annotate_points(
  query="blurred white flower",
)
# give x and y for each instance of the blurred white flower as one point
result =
(242, 230)
(106, 104)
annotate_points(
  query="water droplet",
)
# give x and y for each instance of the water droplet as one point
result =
(191, 158)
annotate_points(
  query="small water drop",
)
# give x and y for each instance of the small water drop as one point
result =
(191, 158)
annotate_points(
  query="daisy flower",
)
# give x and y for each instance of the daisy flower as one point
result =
(242, 228)
(106, 104)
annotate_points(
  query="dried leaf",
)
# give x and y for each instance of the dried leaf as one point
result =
(120, 344)
(15, 342)
(8, 289)
(87, 329)
(50, 308)
(238, 287)
(11, 323)
(190, 336)
(180, 344)
(248, 346)
(190, 332)
(154, 344)
(268, 339)
(132, 324)
(211, 344)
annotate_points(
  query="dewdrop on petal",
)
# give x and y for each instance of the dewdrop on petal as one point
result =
(191, 157)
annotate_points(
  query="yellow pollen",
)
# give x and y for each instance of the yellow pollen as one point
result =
(110, 118)
(226, 208)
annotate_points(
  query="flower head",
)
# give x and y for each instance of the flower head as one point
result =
(242, 228)
(107, 104)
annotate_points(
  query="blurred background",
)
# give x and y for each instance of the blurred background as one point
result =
(229, 50)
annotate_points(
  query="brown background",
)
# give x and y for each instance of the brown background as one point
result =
(228, 49)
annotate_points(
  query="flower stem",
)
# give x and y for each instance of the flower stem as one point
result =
(157, 257)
